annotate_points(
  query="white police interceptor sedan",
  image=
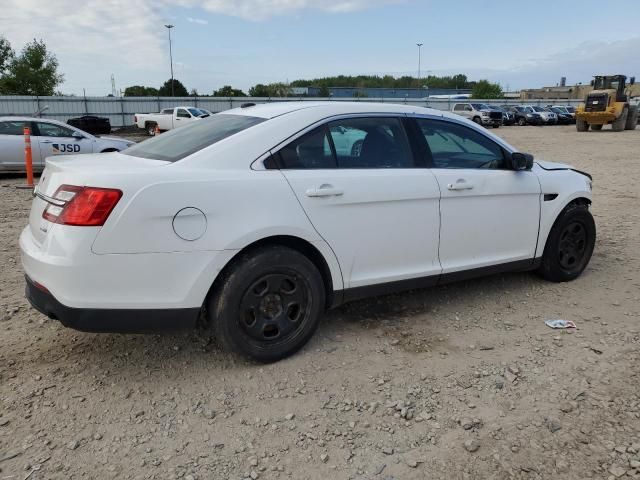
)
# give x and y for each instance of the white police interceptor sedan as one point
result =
(48, 138)
(256, 221)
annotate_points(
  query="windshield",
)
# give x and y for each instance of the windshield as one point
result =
(526, 109)
(181, 142)
(605, 83)
(571, 109)
(538, 109)
(196, 112)
(481, 106)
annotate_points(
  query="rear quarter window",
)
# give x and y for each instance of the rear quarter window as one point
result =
(181, 142)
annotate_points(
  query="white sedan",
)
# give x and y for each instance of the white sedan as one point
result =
(48, 138)
(253, 220)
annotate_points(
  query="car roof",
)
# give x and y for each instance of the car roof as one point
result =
(329, 108)
(31, 119)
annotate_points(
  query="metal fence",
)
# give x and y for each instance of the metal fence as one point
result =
(120, 110)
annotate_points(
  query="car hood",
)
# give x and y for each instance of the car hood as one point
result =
(116, 139)
(553, 165)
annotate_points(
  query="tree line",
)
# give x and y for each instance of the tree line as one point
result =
(34, 71)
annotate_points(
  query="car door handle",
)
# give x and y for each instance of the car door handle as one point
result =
(460, 184)
(46, 141)
(324, 191)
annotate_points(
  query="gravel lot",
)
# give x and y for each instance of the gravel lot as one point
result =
(457, 382)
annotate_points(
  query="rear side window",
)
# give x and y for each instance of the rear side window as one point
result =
(13, 127)
(376, 142)
(177, 144)
(457, 146)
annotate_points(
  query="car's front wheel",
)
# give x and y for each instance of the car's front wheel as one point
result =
(522, 121)
(268, 305)
(570, 245)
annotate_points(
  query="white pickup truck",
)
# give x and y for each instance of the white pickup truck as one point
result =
(168, 118)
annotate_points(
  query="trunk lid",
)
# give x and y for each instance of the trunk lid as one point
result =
(80, 170)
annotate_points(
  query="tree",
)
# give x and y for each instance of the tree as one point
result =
(279, 90)
(140, 91)
(324, 91)
(485, 89)
(228, 91)
(33, 72)
(178, 88)
(259, 90)
(6, 55)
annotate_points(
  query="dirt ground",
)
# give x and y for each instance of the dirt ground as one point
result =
(457, 382)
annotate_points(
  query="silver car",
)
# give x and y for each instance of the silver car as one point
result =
(48, 138)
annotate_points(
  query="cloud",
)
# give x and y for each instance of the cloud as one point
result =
(257, 10)
(199, 21)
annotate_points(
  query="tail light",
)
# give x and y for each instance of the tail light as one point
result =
(81, 206)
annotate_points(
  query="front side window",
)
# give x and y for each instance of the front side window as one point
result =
(458, 108)
(13, 127)
(53, 130)
(181, 142)
(457, 146)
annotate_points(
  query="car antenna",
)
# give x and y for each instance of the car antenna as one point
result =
(247, 105)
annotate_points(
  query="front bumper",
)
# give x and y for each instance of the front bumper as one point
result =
(491, 121)
(109, 320)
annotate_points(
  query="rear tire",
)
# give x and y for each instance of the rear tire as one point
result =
(268, 305)
(596, 127)
(151, 129)
(581, 125)
(632, 118)
(569, 245)
(619, 124)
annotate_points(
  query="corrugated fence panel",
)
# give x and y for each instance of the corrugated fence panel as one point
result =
(120, 110)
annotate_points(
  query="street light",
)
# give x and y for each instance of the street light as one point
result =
(419, 57)
(169, 27)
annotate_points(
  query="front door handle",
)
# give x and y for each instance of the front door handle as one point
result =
(46, 141)
(461, 184)
(324, 190)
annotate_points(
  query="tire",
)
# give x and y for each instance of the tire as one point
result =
(596, 127)
(632, 118)
(477, 120)
(496, 126)
(356, 148)
(107, 150)
(581, 125)
(151, 129)
(569, 245)
(268, 305)
(522, 121)
(619, 124)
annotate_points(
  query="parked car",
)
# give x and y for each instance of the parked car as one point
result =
(548, 118)
(48, 138)
(568, 109)
(564, 117)
(508, 117)
(91, 124)
(479, 113)
(524, 115)
(255, 220)
(168, 119)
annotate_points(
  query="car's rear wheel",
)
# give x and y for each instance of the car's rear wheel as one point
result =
(632, 118)
(151, 129)
(268, 305)
(570, 245)
(619, 124)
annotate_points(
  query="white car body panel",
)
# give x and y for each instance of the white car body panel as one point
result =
(385, 227)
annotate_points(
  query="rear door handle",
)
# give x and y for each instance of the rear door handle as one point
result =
(325, 190)
(46, 141)
(461, 184)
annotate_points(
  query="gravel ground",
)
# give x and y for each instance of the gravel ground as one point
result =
(457, 382)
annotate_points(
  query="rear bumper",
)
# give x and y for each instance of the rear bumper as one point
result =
(109, 320)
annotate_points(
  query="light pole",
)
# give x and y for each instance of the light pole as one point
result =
(169, 27)
(419, 57)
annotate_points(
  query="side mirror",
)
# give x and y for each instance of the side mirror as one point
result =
(521, 161)
(77, 135)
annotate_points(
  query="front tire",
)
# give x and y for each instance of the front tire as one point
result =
(268, 305)
(582, 125)
(569, 245)
(632, 118)
(619, 124)
(522, 121)
(477, 120)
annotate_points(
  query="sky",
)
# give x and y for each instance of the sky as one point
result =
(519, 44)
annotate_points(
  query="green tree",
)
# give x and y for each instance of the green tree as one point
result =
(485, 89)
(6, 55)
(324, 91)
(279, 90)
(259, 90)
(229, 91)
(140, 91)
(33, 72)
(178, 88)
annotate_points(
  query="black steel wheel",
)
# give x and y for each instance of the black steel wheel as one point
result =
(522, 121)
(570, 245)
(267, 304)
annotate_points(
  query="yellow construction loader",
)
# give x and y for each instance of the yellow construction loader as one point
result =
(607, 103)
